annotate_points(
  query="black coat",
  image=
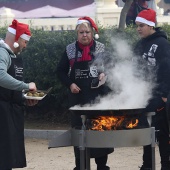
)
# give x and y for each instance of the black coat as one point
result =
(87, 95)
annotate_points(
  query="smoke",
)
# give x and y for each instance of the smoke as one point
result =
(130, 87)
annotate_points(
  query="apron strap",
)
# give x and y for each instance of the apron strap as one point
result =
(76, 54)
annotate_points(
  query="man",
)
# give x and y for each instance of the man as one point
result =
(12, 150)
(154, 49)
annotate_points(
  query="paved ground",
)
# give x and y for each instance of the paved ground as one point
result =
(39, 157)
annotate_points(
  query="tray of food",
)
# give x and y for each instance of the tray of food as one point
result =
(36, 95)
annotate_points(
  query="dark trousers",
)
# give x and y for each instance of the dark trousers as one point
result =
(99, 154)
(160, 122)
(100, 162)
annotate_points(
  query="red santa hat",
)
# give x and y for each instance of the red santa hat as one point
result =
(147, 16)
(91, 22)
(19, 30)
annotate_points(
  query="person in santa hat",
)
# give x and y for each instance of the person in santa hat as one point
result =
(154, 50)
(12, 150)
(79, 70)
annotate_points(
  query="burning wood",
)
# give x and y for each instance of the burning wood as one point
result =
(102, 123)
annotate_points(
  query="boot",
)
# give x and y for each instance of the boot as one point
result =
(76, 168)
(101, 163)
(103, 168)
(145, 168)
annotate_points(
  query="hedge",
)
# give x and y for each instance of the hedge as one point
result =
(42, 55)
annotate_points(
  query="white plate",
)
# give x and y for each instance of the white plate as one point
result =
(34, 98)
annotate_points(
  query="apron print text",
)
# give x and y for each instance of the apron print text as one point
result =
(81, 74)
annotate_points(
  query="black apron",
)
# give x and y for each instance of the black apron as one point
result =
(82, 77)
(12, 150)
(82, 74)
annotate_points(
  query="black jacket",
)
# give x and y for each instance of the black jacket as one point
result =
(154, 52)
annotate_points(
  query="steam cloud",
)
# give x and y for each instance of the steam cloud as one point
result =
(130, 88)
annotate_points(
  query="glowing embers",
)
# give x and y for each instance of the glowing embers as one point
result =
(102, 123)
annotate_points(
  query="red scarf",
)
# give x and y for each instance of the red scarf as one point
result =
(86, 56)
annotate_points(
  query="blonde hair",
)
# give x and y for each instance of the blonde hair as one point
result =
(87, 25)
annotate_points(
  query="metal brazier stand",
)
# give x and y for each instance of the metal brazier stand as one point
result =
(85, 139)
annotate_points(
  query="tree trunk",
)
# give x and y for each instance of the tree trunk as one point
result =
(123, 14)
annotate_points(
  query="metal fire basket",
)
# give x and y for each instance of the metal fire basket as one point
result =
(85, 139)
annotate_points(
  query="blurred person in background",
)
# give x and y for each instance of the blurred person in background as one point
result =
(135, 8)
(12, 149)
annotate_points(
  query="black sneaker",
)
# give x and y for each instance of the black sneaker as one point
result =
(103, 168)
(144, 168)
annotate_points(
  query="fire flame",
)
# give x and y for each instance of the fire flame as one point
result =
(102, 123)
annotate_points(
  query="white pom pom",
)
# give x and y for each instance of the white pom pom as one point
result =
(16, 45)
(96, 36)
(1, 41)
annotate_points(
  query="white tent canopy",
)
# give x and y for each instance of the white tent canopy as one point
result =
(4, 11)
(88, 10)
(43, 12)
(50, 11)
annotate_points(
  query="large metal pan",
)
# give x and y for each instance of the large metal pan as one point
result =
(109, 112)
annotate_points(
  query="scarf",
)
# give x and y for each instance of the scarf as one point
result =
(86, 56)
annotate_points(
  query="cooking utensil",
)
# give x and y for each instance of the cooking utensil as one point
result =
(106, 112)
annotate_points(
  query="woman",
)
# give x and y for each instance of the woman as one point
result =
(81, 69)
